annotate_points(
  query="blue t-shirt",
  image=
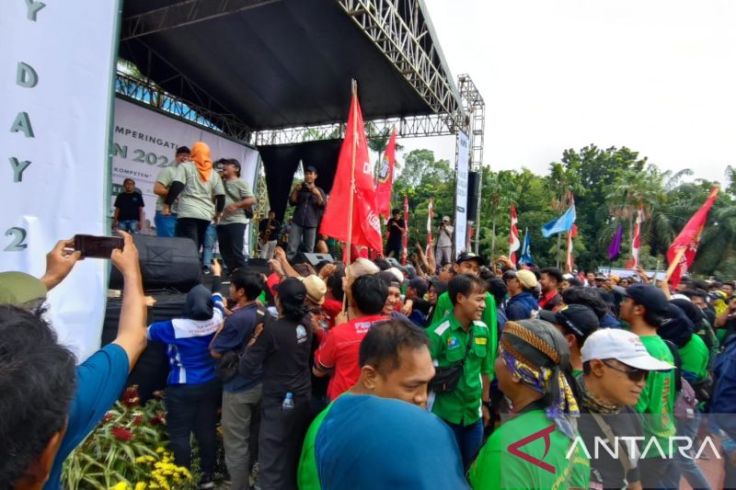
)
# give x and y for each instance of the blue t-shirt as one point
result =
(367, 442)
(238, 329)
(100, 382)
(190, 362)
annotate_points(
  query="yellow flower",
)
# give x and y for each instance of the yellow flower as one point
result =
(160, 449)
(140, 486)
(121, 486)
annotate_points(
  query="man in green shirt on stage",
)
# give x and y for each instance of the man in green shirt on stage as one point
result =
(643, 308)
(460, 338)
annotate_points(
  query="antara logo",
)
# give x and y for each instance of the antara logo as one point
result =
(545, 434)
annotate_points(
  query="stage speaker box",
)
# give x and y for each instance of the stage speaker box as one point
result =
(313, 259)
(166, 263)
(153, 366)
(257, 266)
(473, 192)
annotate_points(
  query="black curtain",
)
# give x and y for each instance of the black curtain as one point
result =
(281, 161)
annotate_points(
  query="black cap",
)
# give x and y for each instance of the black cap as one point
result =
(233, 162)
(291, 291)
(183, 149)
(579, 319)
(419, 285)
(466, 256)
(310, 168)
(650, 297)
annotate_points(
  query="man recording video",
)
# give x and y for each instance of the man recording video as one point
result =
(309, 201)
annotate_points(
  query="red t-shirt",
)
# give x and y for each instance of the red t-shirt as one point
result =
(339, 351)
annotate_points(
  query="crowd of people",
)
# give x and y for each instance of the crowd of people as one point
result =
(467, 374)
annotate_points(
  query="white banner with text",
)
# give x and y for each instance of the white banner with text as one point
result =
(461, 193)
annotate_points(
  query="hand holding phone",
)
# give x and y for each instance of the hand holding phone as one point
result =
(97, 247)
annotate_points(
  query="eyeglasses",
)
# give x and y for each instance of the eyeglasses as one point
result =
(634, 374)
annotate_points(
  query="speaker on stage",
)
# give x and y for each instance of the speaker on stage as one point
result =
(166, 263)
(473, 192)
(313, 259)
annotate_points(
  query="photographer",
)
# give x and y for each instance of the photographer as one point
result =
(309, 201)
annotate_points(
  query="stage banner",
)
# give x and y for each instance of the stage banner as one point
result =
(57, 76)
(145, 141)
(461, 193)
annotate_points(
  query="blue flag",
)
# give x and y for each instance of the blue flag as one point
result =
(560, 225)
(526, 249)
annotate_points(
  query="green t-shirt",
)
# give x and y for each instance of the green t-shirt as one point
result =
(657, 400)
(503, 463)
(235, 191)
(308, 475)
(576, 373)
(695, 357)
(197, 200)
(166, 177)
(448, 342)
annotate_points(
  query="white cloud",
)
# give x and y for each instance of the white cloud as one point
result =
(658, 76)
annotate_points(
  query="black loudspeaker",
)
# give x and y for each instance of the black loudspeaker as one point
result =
(313, 259)
(153, 366)
(473, 192)
(257, 266)
(166, 263)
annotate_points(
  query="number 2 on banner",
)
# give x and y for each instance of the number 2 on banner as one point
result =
(18, 241)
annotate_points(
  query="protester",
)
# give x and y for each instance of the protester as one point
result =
(99, 380)
(282, 351)
(395, 363)
(497, 288)
(241, 396)
(644, 308)
(193, 391)
(309, 201)
(462, 339)
(268, 234)
(393, 300)
(166, 223)
(436, 289)
(532, 370)
(444, 242)
(575, 323)
(522, 303)
(591, 298)
(550, 281)
(129, 204)
(201, 195)
(394, 234)
(338, 353)
(615, 366)
(231, 228)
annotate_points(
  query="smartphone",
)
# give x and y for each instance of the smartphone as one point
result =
(97, 247)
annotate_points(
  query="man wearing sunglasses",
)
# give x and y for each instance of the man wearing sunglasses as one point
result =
(615, 368)
(644, 307)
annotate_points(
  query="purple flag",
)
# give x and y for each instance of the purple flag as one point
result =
(614, 249)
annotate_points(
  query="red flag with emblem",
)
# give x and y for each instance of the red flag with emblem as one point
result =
(681, 253)
(353, 166)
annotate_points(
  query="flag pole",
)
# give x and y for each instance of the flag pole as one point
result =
(675, 263)
(349, 241)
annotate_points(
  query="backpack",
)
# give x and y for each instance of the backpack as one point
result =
(226, 367)
(686, 402)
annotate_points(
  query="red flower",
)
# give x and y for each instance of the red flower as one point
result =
(158, 419)
(108, 417)
(138, 419)
(122, 434)
(130, 397)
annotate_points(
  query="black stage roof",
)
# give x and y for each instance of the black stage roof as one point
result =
(279, 64)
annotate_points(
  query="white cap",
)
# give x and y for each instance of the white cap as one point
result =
(397, 273)
(622, 345)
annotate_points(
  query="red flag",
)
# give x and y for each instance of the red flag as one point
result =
(386, 178)
(514, 243)
(405, 235)
(570, 235)
(633, 263)
(353, 165)
(681, 253)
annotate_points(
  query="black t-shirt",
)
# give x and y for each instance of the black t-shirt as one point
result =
(395, 231)
(606, 470)
(129, 204)
(308, 212)
(275, 226)
(283, 350)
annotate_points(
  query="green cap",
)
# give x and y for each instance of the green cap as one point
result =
(20, 289)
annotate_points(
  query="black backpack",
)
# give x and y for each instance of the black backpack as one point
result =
(227, 366)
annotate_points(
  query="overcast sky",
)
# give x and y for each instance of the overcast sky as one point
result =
(658, 76)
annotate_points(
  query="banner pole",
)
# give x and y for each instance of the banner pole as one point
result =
(675, 263)
(349, 241)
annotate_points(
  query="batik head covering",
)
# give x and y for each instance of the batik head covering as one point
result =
(537, 353)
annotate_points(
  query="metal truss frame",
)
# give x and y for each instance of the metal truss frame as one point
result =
(183, 13)
(399, 29)
(475, 108)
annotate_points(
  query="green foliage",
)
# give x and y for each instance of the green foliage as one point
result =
(609, 186)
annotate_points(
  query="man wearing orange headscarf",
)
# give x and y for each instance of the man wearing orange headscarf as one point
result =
(201, 195)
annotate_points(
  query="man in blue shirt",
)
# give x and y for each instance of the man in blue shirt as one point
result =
(99, 380)
(241, 397)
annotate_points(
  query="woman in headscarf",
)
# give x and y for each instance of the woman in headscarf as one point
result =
(201, 195)
(536, 447)
(193, 390)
